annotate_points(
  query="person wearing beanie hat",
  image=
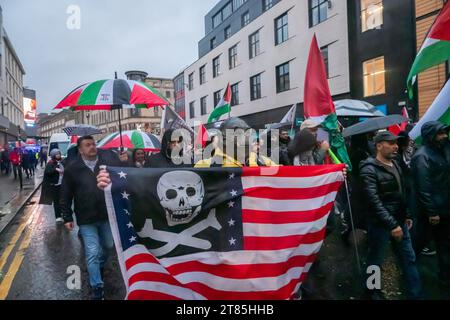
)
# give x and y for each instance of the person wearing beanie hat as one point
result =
(51, 184)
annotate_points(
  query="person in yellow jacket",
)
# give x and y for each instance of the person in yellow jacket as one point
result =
(222, 159)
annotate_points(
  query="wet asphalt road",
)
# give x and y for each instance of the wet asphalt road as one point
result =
(40, 255)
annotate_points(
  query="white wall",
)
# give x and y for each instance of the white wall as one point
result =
(333, 31)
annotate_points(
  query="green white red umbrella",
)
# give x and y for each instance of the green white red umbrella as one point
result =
(131, 140)
(112, 94)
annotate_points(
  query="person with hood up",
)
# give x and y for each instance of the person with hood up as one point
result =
(51, 184)
(222, 157)
(170, 143)
(431, 183)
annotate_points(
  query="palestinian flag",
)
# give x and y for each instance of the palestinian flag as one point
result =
(223, 107)
(435, 49)
(438, 111)
(318, 104)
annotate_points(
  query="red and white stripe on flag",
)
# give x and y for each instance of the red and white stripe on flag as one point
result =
(284, 219)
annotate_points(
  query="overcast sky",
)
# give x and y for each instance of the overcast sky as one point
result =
(156, 36)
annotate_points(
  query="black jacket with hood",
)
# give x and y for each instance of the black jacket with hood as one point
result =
(431, 173)
(162, 159)
(386, 203)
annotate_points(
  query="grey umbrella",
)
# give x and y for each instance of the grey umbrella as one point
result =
(356, 108)
(374, 124)
(81, 130)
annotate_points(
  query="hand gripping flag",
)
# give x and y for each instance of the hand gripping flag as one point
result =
(219, 233)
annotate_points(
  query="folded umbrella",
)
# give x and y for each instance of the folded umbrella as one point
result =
(374, 124)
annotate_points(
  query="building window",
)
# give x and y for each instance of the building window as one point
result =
(324, 51)
(281, 29)
(168, 94)
(318, 11)
(155, 111)
(217, 97)
(223, 14)
(192, 109)
(227, 11)
(245, 19)
(213, 43)
(374, 77)
(254, 47)
(283, 82)
(191, 81)
(238, 3)
(216, 67)
(203, 106)
(232, 57)
(227, 32)
(255, 87)
(202, 74)
(371, 14)
(235, 94)
(267, 4)
(217, 19)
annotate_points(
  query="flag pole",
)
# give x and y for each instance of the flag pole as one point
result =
(358, 260)
(119, 107)
(293, 118)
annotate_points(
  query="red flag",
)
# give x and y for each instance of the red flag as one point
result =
(396, 129)
(202, 137)
(317, 100)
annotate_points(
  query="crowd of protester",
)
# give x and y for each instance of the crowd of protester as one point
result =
(400, 193)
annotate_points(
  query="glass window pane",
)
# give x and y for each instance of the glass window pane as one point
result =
(323, 11)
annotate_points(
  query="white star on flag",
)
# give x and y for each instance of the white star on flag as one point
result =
(125, 195)
(233, 193)
(232, 241)
(122, 175)
(130, 225)
(231, 176)
(230, 204)
(231, 222)
(126, 211)
(133, 239)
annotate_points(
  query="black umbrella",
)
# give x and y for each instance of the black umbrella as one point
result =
(81, 130)
(374, 124)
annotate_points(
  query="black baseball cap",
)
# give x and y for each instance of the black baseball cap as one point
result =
(385, 136)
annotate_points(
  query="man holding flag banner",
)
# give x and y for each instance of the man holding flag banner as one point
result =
(218, 233)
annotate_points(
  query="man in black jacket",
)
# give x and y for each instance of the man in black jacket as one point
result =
(383, 184)
(80, 185)
(431, 177)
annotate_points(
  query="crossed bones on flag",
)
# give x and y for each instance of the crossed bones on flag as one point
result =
(185, 238)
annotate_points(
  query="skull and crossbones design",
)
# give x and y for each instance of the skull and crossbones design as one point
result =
(181, 194)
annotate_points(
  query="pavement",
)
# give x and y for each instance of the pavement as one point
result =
(12, 198)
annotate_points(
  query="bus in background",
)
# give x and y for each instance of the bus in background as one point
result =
(59, 141)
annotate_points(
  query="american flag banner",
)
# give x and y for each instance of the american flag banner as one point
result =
(219, 233)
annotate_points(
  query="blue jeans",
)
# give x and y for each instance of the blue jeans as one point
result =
(379, 238)
(98, 241)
